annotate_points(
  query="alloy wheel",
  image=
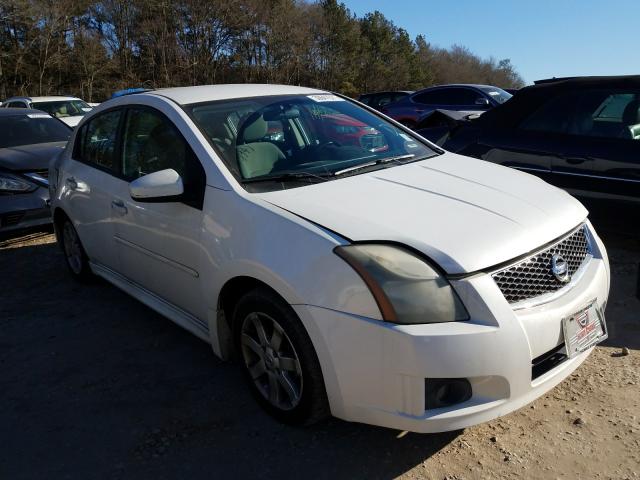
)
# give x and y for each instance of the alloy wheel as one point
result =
(271, 360)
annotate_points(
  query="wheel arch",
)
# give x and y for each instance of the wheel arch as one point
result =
(59, 216)
(220, 324)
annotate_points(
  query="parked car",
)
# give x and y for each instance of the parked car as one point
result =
(580, 134)
(410, 288)
(29, 139)
(68, 109)
(382, 99)
(345, 130)
(464, 98)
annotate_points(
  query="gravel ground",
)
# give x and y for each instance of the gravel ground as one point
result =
(96, 385)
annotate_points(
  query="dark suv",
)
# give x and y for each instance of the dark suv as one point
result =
(580, 134)
(466, 98)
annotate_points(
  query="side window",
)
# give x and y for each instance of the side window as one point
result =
(554, 116)
(592, 113)
(96, 142)
(616, 116)
(461, 96)
(151, 142)
(16, 105)
(435, 97)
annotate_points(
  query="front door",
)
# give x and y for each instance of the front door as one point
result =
(158, 241)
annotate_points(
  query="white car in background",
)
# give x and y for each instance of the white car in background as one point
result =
(68, 109)
(364, 273)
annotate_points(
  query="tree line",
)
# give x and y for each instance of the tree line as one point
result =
(92, 48)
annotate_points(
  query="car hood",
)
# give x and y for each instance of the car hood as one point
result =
(464, 214)
(71, 121)
(27, 158)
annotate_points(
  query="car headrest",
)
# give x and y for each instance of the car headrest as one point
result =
(631, 115)
(255, 131)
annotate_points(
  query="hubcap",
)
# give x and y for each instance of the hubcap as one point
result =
(72, 248)
(272, 361)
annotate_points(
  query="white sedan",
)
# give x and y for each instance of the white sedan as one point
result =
(352, 267)
(69, 110)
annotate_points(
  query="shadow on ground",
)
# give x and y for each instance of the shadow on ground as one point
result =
(96, 385)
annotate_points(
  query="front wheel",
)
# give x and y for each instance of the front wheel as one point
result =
(279, 360)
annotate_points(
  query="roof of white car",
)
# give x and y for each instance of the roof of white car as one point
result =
(208, 93)
(43, 99)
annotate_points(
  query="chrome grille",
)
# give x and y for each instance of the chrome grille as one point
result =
(532, 277)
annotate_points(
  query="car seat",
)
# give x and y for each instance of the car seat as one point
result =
(256, 157)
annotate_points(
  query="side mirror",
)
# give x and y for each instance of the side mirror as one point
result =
(157, 186)
(482, 101)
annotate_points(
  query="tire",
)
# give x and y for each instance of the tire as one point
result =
(279, 361)
(74, 253)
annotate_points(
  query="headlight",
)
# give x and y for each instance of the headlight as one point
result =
(14, 184)
(407, 289)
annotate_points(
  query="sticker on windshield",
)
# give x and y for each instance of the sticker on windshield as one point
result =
(494, 93)
(38, 115)
(325, 98)
(86, 109)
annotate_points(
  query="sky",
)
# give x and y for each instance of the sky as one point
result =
(543, 38)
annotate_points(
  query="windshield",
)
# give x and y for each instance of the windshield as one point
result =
(16, 130)
(497, 94)
(63, 108)
(321, 135)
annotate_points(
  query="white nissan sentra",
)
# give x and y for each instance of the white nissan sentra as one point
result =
(349, 265)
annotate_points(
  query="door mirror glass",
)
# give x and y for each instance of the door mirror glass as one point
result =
(157, 186)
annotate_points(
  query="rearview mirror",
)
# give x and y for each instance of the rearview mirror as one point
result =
(157, 186)
(482, 101)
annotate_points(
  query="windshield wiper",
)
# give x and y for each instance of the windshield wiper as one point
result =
(288, 177)
(397, 159)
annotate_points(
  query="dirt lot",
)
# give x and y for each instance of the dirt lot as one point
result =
(95, 385)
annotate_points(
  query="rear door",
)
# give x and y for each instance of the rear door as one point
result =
(601, 157)
(158, 242)
(534, 144)
(88, 182)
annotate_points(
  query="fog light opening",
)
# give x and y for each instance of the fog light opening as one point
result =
(444, 392)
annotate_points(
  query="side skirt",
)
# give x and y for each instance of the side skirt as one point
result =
(177, 315)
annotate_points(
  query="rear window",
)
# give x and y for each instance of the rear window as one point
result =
(29, 129)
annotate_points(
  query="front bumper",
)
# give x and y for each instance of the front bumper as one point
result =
(25, 210)
(375, 372)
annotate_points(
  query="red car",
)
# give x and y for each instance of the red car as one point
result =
(345, 130)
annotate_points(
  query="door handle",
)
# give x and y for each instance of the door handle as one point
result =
(119, 206)
(577, 160)
(71, 183)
